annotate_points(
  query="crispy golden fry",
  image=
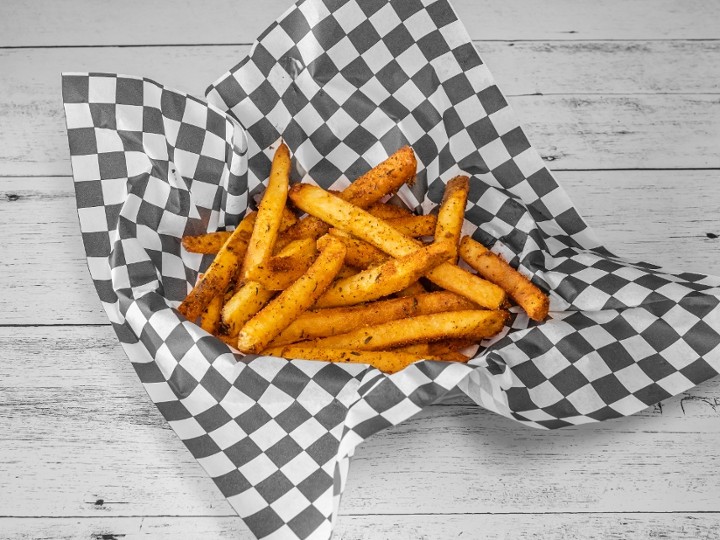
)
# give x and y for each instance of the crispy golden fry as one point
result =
(452, 356)
(270, 212)
(388, 211)
(494, 268)
(210, 243)
(414, 226)
(359, 253)
(452, 212)
(278, 272)
(385, 279)
(419, 349)
(216, 278)
(413, 289)
(435, 350)
(385, 178)
(473, 324)
(307, 227)
(449, 345)
(210, 317)
(297, 298)
(385, 361)
(246, 302)
(333, 321)
(346, 272)
(359, 223)
(369, 188)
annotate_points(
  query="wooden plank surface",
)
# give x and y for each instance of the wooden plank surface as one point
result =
(132, 22)
(636, 525)
(598, 125)
(88, 442)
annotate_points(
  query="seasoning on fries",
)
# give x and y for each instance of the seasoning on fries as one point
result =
(347, 282)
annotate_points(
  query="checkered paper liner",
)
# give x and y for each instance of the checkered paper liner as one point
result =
(345, 84)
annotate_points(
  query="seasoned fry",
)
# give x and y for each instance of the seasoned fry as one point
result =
(388, 211)
(359, 223)
(420, 349)
(210, 243)
(333, 321)
(473, 324)
(289, 264)
(450, 345)
(385, 279)
(494, 268)
(385, 178)
(346, 272)
(270, 212)
(452, 212)
(216, 278)
(369, 188)
(210, 317)
(359, 253)
(414, 226)
(413, 289)
(246, 302)
(294, 300)
(386, 361)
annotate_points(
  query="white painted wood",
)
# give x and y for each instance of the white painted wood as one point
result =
(575, 131)
(638, 526)
(81, 438)
(132, 22)
(670, 227)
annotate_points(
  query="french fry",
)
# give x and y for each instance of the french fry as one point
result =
(381, 180)
(414, 226)
(386, 361)
(495, 269)
(433, 351)
(333, 321)
(388, 211)
(385, 279)
(452, 212)
(210, 317)
(420, 349)
(297, 298)
(359, 223)
(450, 345)
(246, 302)
(346, 272)
(413, 289)
(270, 212)
(472, 324)
(210, 243)
(278, 272)
(359, 253)
(216, 278)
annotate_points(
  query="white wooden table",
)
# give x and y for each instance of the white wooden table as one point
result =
(621, 97)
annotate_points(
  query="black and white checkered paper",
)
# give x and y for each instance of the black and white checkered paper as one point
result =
(346, 83)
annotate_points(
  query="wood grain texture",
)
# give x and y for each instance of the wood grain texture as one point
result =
(670, 227)
(638, 526)
(86, 22)
(590, 129)
(85, 441)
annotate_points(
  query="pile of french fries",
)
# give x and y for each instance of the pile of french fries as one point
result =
(356, 279)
